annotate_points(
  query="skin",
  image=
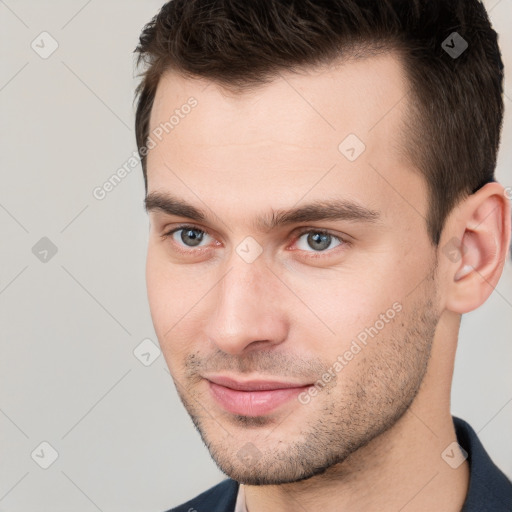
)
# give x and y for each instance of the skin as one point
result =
(373, 437)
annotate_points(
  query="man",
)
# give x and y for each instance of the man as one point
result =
(320, 185)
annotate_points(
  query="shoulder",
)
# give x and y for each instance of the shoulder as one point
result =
(489, 488)
(220, 498)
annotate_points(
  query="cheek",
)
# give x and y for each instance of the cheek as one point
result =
(347, 302)
(175, 297)
(156, 285)
(165, 299)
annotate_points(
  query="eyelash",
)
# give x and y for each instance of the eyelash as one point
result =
(315, 254)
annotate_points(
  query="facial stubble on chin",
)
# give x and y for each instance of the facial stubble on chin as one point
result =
(387, 383)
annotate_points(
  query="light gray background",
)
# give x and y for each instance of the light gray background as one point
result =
(69, 326)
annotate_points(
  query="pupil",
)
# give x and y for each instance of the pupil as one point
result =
(191, 237)
(319, 241)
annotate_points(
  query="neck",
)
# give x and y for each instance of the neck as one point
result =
(402, 470)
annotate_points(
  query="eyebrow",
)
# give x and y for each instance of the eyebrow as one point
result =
(333, 209)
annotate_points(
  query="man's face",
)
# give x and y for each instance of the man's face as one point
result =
(345, 301)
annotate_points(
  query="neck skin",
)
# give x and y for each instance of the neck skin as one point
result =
(400, 470)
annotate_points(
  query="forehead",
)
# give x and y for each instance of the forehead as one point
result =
(331, 130)
(347, 96)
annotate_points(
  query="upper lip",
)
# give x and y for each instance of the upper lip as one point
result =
(253, 385)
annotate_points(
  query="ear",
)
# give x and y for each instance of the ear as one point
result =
(477, 249)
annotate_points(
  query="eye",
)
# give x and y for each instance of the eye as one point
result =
(318, 241)
(188, 236)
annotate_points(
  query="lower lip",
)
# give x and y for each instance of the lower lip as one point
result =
(252, 403)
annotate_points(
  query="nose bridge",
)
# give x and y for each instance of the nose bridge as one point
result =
(245, 307)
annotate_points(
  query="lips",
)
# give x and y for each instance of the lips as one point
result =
(254, 385)
(254, 397)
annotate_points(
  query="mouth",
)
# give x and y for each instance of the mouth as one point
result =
(253, 397)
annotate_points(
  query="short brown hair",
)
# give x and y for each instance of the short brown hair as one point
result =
(457, 113)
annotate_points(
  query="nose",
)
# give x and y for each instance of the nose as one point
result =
(248, 312)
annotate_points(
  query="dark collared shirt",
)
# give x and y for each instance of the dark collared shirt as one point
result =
(489, 489)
